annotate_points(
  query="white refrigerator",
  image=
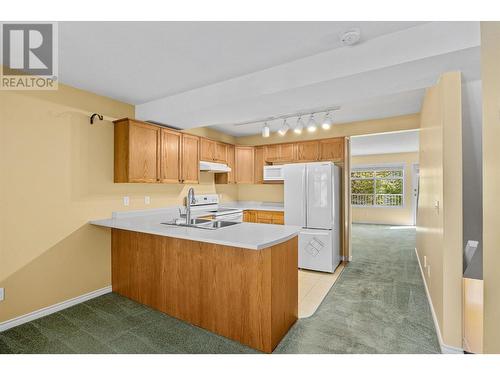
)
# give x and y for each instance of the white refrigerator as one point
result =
(312, 201)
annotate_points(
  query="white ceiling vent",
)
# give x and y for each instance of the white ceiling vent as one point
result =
(350, 37)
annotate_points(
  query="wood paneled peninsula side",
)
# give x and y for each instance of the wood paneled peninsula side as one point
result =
(240, 282)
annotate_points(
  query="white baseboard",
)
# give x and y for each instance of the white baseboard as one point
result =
(445, 349)
(8, 324)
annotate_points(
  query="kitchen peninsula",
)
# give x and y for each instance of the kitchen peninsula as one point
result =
(240, 281)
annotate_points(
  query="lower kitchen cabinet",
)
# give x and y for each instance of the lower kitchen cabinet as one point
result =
(263, 217)
(249, 216)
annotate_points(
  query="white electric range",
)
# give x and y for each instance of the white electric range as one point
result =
(210, 203)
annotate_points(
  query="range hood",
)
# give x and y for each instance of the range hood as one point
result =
(206, 166)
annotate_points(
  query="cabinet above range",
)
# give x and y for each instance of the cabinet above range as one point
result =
(213, 151)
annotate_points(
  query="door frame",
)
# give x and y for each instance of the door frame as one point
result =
(415, 190)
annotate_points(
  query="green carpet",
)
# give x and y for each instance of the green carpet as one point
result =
(378, 305)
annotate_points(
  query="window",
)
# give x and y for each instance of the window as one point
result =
(377, 187)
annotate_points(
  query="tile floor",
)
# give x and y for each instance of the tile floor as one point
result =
(313, 288)
(378, 305)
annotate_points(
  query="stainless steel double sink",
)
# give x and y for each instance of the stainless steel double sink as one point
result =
(204, 224)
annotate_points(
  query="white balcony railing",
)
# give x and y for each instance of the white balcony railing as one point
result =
(378, 200)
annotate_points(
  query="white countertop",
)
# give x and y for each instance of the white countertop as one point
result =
(251, 205)
(245, 235)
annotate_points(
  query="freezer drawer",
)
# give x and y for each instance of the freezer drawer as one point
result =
(317, 251)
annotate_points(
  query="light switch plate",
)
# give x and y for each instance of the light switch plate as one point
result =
(147, 200)
(425, 261)
(2, 294)
(126, 201)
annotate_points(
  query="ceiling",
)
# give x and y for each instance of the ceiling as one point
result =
(140, 61)
(191, 74)
(387, 143)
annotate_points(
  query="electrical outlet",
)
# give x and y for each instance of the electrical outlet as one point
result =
(126, 201)
(147, 200)
(425, 260)
(2, 294)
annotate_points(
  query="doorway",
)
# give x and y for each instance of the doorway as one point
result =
(415, 182)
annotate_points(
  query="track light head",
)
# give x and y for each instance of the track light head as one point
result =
(299, 126)
(327, 122)
(265, 130)
(311, 125)
(284, 128)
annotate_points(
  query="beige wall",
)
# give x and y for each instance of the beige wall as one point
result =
(393, 216)
(212, 134)
(490, 74)
(439, 228)
(389, 124)
(262, 192)
(56, 174)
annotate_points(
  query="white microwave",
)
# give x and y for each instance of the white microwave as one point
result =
(273, 173)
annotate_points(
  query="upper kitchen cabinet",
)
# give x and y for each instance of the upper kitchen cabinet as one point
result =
(287, 152)
(170, 156)
(244, 165)
(259, 162)
(207, 150)
(229, 177)
(150, 153)
(220, 152)
(213, 151)
(280, 153)
(332, 149)
(137, 150)
(272, 153)
(307, 151)
(190, 158)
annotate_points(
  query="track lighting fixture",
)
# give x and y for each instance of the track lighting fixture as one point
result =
(299, 126)
(265, 130)
(327, 122)
(311, 125)
(284, 128)
(301, 120)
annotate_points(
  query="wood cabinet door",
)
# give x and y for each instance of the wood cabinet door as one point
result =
(244, 165)
(287, 152)
(307, 151)
(143, 152)
(278, 218)
(170, 156)
(332, 149)
(272, 153)
(227, 178)
(220, 152)
(207, 150)
(259, 165)
(190, 164)
(250, 216)
(230, 162)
